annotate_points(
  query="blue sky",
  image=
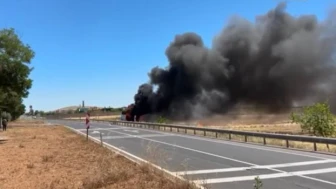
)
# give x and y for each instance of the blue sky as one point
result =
(101, 50)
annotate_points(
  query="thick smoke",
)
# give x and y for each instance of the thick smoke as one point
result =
(275, 62)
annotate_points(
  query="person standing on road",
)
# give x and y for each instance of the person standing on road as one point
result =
(4, 124)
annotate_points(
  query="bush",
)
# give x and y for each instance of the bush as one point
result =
(257, 183)
(6, 115)
(162, 119)
(316, 119)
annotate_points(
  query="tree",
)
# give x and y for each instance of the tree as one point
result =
(14, 72)
(6, 115)
(316, 119)
(42, 113)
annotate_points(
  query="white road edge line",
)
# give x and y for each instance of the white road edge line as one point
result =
(136, 158)
(233, 143)
(186, 148)
(269, 176)
(254, 167)
(98, 129)
(215, 155)
(122, 137)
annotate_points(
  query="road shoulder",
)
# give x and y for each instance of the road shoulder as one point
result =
(48, 156)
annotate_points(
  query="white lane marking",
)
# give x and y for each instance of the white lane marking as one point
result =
(98, 129)
(269, 176)
(186, 148)
(233, 143)
(232, 169)
(319, 180)
(131, 130)
(135, 159)
(134, 136)
(215, 155)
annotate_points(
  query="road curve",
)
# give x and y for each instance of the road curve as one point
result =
(219, 164)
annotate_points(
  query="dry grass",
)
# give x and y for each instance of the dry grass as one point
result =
(275, 123)
(39, 156)
(264, 123)
(285, 128)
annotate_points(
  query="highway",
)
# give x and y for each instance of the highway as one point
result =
(217, 163)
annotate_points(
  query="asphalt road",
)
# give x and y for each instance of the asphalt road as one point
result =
(219, 164)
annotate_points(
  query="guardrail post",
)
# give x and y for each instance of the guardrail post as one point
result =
(230, 136)
(171, 129)
(101, 138)
(216, 134)
(264, 140)
(87, 134)
(194, 131)
(287, 143)
(178, 129)
(245, 138)
(185, 131)
(204, 133)
(315, 146)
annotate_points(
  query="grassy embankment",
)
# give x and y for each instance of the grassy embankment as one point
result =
(35, 155)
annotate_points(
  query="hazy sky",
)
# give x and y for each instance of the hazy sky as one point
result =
(101, 50)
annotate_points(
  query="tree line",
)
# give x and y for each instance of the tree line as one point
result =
(15, 58)
(78, 110)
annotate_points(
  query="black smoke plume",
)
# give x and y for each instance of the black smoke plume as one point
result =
(275, 62)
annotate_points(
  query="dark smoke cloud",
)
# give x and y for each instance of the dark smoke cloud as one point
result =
(275, 62)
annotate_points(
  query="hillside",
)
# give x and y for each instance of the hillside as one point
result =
(74, 108)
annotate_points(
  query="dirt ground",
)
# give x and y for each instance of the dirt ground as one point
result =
(35, 155)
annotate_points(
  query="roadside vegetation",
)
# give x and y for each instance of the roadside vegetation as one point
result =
(316, 119)
(258, 184)
(79, 111)
(162, 120)
(15, 57)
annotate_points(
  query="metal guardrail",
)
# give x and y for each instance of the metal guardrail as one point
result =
(216, 132)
